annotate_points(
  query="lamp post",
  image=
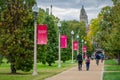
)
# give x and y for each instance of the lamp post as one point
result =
(78, 44)
(0, 14)
(82, 48)
(72, 33)
(59, 55)
(35, 9)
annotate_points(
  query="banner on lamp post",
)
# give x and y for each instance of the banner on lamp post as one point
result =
(84, 48)
(42, 34)
(63, 41)
(75, 45)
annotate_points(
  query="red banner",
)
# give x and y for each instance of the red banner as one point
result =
(84, 48)
(75, 45)
(63, 41)
(42, 34)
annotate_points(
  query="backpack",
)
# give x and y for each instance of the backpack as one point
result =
(97, 56)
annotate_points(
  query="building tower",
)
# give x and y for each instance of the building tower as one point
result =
(83, 16)
(51, 9)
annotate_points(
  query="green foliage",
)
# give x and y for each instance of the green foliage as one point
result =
(79, 28)
(109, 26)
(16, 42)
(108, 29)
(66, 52)
(115, 2)
(50, 51)
(92, 35)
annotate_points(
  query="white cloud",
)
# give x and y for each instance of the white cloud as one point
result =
(66, 14)
(70, 9)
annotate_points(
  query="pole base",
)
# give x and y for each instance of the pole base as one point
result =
(35, 73)
(59, 66)
(72, 62)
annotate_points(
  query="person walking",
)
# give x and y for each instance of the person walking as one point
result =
(102, 57)
(87, 63)
(97, 59)
(79, 59)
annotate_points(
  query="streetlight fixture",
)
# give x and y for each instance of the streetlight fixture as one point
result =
(85, 42)
(78, 44)
(59, 55)
(35, 9)
(24, 1)
(72, 33)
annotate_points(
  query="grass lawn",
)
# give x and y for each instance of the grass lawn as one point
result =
(111, 62)
(111, 65)
(112, 70)
(44, 71)
(111, 76)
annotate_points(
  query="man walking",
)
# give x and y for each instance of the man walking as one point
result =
(97, 59)
(79, 59)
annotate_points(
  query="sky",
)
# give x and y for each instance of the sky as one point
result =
(70, 9)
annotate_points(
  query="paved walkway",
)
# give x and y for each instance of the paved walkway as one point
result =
(95, 73)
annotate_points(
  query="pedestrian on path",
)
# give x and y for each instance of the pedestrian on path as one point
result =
(87, 59)
(79, 59)
(102, 57)
(97, 58)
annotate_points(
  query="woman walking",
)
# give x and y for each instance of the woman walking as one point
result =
(87, 63)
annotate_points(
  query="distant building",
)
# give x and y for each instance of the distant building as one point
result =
(84, 17)
(47, 11)
(51, 9)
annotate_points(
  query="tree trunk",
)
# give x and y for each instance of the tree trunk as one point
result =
(49, 64)
(12, 66)
(63, 61)
(13, 69)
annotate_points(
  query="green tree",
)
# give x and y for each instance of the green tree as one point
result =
(108, 35)
(52, 49)
(79, 28)
(16, 42)
(66, 52)
(42, 49)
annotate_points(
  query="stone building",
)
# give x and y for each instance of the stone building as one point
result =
(83, 16)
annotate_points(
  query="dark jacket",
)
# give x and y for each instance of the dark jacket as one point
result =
(97, 56)
(79, 57)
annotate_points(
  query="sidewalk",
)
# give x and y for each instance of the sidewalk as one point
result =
(95, 73)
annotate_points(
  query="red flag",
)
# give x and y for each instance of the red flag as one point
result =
(42, 34)
(84, 48)
(63, 41)
(75, 45)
